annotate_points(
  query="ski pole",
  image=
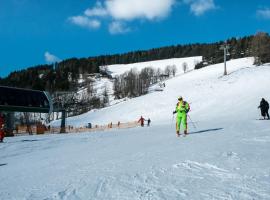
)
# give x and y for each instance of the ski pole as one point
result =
(193, 124)
(259, 113)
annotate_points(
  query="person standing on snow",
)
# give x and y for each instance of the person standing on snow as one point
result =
(148, 122)
(2, 133)
(182, 108)
(141, 120)
(264, 106)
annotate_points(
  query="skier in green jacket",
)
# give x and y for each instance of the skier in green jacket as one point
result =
(182, 108)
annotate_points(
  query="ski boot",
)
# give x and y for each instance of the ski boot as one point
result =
(185, 133)
(177, 134)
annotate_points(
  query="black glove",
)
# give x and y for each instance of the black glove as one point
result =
(174, 112)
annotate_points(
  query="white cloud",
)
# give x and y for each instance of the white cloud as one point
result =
(118, 12)
(50, 58)
(199, 7)
(263, 13)
(97, 11)
(118, 27)
(138, 9)
(85, 22)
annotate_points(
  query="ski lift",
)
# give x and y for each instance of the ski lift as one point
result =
(24, 100)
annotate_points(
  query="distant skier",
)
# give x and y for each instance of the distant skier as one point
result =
(182, 108)
(141, 120)
(264, 106)
(2, 133)
(148, 122)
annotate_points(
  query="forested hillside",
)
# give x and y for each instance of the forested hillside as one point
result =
(43, 77)
(71, 83)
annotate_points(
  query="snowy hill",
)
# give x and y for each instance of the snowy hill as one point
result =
(209, 92)
(226, 156)
(103, 83)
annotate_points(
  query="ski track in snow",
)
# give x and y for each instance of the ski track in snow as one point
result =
(186, 180)
(263, 139)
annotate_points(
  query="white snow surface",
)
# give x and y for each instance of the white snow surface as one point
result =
(226, 156)
(119, 69)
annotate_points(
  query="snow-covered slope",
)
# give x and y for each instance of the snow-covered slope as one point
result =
(209, 93)
(226, 156)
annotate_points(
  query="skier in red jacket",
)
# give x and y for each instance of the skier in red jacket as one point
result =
(2, 133)
(142, 121)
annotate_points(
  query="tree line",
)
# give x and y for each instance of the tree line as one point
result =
(63, 76)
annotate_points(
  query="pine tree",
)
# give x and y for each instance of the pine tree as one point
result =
(261, 48)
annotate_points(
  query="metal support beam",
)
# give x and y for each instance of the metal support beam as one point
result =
(63, 122)
(225, 48)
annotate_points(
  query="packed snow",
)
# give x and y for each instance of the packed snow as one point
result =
(225, 156)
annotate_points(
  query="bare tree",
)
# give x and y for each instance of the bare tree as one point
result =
(174, 70)
(27, 122)
(133, 84)
(105, 97)
(117, 87)
(168, 70)
(130, 88)
(157, 74)
(90, 88)
(185, 67)
(145, 79)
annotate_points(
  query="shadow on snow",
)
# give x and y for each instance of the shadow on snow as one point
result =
(206, 130)
(29, 140)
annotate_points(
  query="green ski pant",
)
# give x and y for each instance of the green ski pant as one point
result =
(182, 118)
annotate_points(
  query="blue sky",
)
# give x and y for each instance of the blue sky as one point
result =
(37, 32)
